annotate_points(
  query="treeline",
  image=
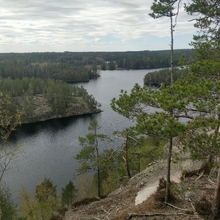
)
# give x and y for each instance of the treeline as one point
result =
(40, 99)
(82, 66)
(156, 78)
(88, 58)
(153, 59)
(57, 71)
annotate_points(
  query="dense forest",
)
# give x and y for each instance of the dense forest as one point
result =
(82, 66)
(163, 76)
(37, 99)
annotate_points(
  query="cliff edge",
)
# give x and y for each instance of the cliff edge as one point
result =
(141, 198)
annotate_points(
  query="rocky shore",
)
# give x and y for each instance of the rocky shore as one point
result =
(42, 111)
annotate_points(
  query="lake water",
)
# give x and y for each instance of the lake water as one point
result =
(49, 147)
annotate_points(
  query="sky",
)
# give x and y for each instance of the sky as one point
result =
(88, 25)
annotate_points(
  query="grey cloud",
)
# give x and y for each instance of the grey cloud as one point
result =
(56, 20)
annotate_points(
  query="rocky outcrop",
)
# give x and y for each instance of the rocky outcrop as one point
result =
(137, 197)
(42, 111)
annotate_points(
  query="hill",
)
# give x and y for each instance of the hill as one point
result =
(142, 197)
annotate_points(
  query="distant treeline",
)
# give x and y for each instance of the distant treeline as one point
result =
(43, 99)
(163, 76)
(82, 66)
(57, 71)
(152, 59)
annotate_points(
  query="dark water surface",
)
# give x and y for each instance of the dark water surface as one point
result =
(49, 147)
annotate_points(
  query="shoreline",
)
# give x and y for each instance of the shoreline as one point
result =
(97, 111)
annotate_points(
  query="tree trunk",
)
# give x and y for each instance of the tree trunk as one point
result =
(98, 169)
(216, 201)
(167, 195)
(0, 205)
(98, 182)
(171, 55)
(126, 158)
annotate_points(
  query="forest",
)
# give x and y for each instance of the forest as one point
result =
(186, 116)
(38, 99)
(156, 78)
(80, 67)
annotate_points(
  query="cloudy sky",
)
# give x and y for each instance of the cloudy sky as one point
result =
(87, 25)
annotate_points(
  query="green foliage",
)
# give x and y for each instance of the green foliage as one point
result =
(90, 156)
(45, 98)
(28, 203)
(69, 193)
(79, 66)
(208, 12)
(158, 123)
(134, 154)
(42, 205)
(8, 208)
(163, 8)
(163, 76)
(111, 65)
(46, 192)
(57, 71)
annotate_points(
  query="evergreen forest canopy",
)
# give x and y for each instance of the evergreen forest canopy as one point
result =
(40, 99)
(156, 78)
(82, 66)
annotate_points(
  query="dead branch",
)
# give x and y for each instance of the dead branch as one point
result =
(200, 176)
(130, 215)
(211, 181)
(104, 210)
(175, 207)
(191, 204)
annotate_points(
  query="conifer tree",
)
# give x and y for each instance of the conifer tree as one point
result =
(165, 8)
(207, 64)
(90, 155)
(68, 194)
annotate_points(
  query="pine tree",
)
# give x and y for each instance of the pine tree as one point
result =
(69, 193)
(90, 154)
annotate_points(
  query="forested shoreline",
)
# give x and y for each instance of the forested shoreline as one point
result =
(156, 78)
(39, 100)
(34, 82)
(82, 66)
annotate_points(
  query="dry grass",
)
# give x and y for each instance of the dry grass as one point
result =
(189, 197)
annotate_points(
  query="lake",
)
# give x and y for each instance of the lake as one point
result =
(49, 147)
